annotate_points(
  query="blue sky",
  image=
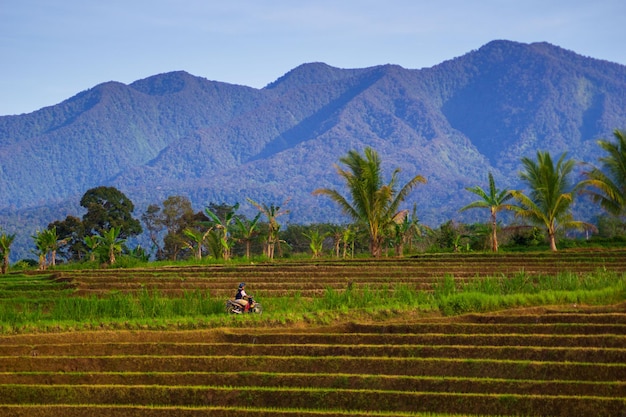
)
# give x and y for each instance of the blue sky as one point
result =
(51, 50)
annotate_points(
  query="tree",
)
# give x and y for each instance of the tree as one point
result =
(47, 243)
(71, 232)
(551, 195)
(495, 201)
(6, 241)
(42, 247)
(112, 243)
(608, 186)
(223, 225)
(373, 203)
(53, 243)
(176, 216)
(316, 241)
(152, 220)
(402, 230)
(347, 239)
(109, 208)
(92, 243)
(197, 239)
(248, 230)
(271, 212)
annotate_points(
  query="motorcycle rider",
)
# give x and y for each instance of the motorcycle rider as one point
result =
(242, 298)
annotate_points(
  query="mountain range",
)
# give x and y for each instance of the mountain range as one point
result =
(178, 134)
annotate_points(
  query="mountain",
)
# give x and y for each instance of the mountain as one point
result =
(177, 134)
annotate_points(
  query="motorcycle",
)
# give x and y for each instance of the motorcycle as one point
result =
(235, 307)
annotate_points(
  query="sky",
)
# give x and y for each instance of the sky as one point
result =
(52, 50)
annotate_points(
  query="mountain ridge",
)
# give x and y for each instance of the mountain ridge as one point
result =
(175, 133)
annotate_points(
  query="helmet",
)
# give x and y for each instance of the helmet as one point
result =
(243, 284)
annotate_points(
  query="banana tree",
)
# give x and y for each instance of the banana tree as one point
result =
(248, 229)
(271, 212)
(197, 240)
(111, 242)
(92, 244)
(316, 240)
(223, 225)
(6, 241)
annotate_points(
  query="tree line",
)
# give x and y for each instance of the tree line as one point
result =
(178, 232)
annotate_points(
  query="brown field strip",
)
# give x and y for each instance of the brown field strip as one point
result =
(518, 353)
(312, 399)
(317, 380)
(54, 410)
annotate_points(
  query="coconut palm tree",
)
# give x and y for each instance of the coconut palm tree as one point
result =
(6, 241)
(372, 203)
(495, 201)
(608, 186)
(551, 195)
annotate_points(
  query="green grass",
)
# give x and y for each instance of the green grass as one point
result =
(38, 302)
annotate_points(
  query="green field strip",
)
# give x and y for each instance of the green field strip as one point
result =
(549, 354)
(324, 399)
(475, 368)
(318, 380)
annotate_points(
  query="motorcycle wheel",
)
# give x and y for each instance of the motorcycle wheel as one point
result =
(258, 309)
(231, 309)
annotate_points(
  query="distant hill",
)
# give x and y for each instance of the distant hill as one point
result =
(177, 134)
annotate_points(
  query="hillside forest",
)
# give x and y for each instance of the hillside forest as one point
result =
(108, 234)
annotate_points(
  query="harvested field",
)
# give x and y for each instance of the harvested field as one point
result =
(467, 366)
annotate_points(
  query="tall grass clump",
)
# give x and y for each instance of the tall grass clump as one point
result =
(145, 305)
(493, 293)
(397, 296)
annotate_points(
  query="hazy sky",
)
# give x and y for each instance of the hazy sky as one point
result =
(51, 50)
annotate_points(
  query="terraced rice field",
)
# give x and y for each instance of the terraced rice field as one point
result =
(545, 361)
(310, 279)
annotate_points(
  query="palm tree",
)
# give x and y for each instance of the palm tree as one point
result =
(495, 201)
(609, 185)
(248, 229)
(551, 195)
(5, 250)
(373, 203)
(271, 212)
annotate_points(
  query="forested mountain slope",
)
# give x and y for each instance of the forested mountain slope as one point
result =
(178, 134)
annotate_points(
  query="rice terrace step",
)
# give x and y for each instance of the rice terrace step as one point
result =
(552, 360)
